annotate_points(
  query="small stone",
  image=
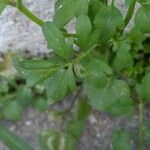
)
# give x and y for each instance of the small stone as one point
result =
(28, 123)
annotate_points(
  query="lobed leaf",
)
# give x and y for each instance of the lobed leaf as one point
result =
(41, 104)
(57, 86)
(24, 96)
(83, 8)
(142, 18)
(93, 70)
(113, 98)
(83, 29)
(35, 73)
(94, 7)
(123, 57)
(107, 20)
(66, 11)
(13, 111)
(55, 39)
(136, 35)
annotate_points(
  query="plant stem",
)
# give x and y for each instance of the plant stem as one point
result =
(30, 15)
(37, 20)
(76, 97)
(84, 54)
(130, 12)
(112, 2)
(140, 127)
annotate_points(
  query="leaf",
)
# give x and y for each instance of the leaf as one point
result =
(2, 7)
(41, 104)
(24, 96)
(147, 2)
(69, 45)
(98, 80)
(127, 2)
(66, 12)
(31, 64)
(91, 63)
(136, 35)
(13, 111)
(35, 73)
(96, 72)
(54, 140)
(83, 110)
(55, 39)
(71, 79)
(75, 128)
(107, 20)
(142, 18)
(93, 38)
(113, 98)
(57, 86)
(146, 87)
(147, 70)
(12, 141)
(83, 8)
(3, 85)
(123, 57)
(94, 7)
(83, 29)
(121, 140)
(146, 46)
(93, 70)
(138, 88)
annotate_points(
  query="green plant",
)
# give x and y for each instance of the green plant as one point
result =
(111, 66)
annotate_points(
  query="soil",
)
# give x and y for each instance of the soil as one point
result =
(97, 133)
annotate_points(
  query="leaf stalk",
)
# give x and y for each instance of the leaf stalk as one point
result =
(130, 12)
(29, 14)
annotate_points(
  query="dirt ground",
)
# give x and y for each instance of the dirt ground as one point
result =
(96, 136)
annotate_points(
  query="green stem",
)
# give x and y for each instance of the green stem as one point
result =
(130, 12)
(140, 128)
(79, 57)
(112, 2)
(30, 15)
(38, 21)
(84, 54)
